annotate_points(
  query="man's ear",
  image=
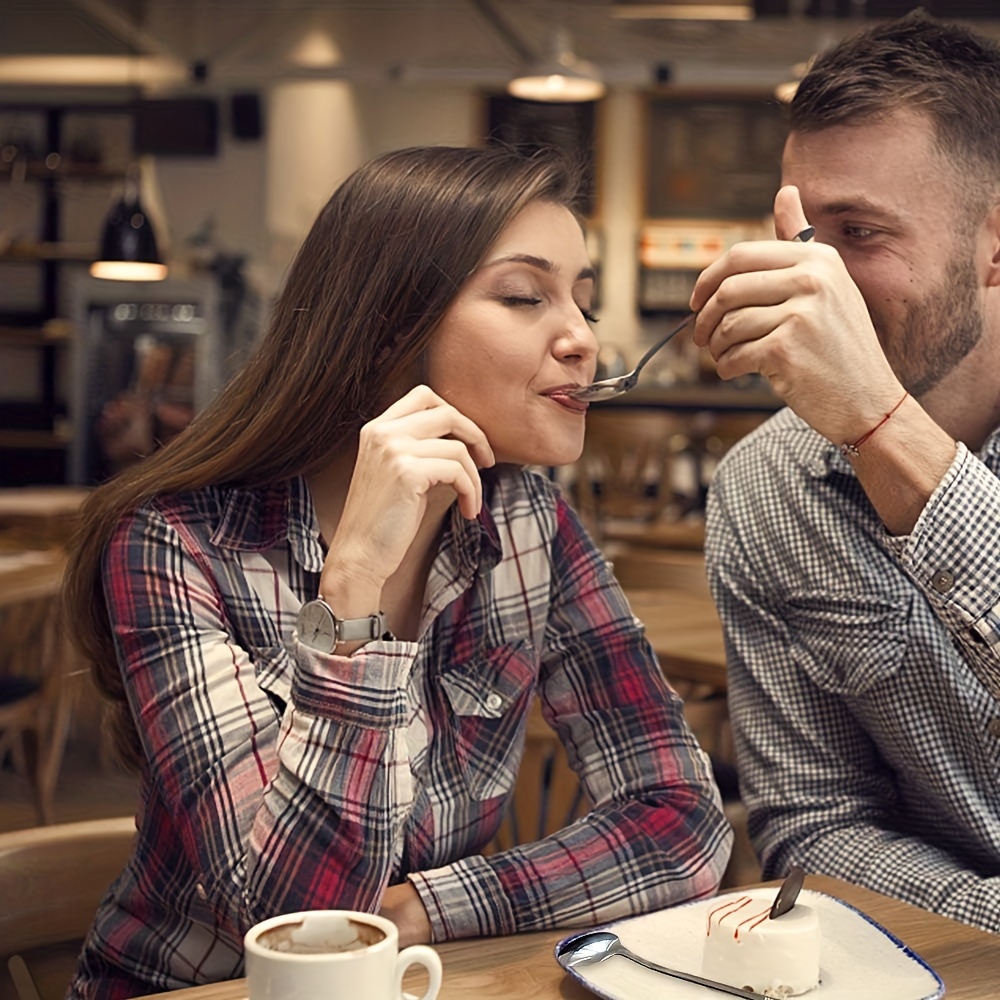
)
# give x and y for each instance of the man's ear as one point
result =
(991, 234)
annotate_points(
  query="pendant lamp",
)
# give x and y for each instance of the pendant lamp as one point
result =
(128, 244)
(561, 78)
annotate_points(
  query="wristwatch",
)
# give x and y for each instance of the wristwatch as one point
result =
(320, 629)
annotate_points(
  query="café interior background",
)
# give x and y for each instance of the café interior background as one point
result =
(305, 91)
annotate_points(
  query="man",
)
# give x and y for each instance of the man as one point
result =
(854, 540)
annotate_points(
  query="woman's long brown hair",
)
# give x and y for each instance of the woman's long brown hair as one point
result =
(378, 269)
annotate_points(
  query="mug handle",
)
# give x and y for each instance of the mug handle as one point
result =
(419, 954)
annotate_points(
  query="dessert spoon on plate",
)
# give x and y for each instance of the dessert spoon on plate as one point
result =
(608, 388)
(596, 946)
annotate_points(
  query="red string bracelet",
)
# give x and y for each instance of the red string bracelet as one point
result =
(851, 450)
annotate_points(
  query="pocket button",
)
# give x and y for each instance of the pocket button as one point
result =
(494, 701)
(942, 581)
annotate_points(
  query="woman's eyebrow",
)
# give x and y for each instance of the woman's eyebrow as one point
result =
(541, 263)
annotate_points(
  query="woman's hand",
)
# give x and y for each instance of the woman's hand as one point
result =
(791, 312)
(402, 905)
(420, 447)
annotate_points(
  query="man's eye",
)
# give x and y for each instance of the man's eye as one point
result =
(859, 232)
(589, 316)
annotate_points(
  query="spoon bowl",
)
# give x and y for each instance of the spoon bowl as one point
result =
(608, 388)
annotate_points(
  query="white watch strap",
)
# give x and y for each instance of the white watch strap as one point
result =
(352, 629)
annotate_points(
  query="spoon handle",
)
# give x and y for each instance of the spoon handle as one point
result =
(801, 237)
(660, 343)
(691, 978)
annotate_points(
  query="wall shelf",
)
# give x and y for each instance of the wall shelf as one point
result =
(50, 154)
(80, 252)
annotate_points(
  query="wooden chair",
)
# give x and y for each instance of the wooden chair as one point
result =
(36, 696)
(547, 795)
(722, 431)
(631, 472)
(705, 706)
(640, 568)
(52, 879)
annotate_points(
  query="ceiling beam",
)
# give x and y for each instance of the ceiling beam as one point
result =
(524, 53)
(129, 32)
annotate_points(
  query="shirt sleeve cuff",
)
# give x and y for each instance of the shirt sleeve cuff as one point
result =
(950, 553)
(464, 900)
(366, 689)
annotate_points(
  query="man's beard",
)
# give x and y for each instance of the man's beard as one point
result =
(937, 332)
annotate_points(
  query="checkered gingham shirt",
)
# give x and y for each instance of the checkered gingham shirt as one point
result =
(279, 779)
(864, 670)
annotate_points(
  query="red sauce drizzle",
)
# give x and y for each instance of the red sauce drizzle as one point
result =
(758, 919)
(733, 906)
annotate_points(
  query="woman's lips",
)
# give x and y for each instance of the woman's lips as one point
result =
(562, 397)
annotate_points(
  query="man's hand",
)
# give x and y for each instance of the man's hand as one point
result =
(791, 312)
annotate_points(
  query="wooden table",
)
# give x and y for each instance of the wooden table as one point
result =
(523, 966)
(40, 516)
(29, 574)
(684, 630)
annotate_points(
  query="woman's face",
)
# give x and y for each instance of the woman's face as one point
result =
(517, 337)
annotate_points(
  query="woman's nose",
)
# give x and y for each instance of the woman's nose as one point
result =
(578, 339)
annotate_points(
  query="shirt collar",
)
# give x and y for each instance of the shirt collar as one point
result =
(258, 518)
(990, 451)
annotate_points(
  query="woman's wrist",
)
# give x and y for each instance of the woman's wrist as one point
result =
(402, 905)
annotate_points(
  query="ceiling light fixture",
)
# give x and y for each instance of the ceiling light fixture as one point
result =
(128, 242)
(691, 11)
(563, 77)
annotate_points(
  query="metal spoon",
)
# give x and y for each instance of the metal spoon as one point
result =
(608, 388)
(788, 892)
(597, 946)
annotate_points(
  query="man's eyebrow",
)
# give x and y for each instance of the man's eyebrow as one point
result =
(847, 206)
(541, 263)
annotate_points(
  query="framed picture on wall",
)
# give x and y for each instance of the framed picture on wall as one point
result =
(533, 125)
(713, 156)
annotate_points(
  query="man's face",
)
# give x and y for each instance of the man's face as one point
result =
(886, 199)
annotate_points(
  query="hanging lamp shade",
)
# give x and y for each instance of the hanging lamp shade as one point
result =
(561, 78)
(128, 243)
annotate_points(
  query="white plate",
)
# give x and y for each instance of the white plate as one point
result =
(858, 957)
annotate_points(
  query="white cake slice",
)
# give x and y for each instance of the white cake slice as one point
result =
(746, 949)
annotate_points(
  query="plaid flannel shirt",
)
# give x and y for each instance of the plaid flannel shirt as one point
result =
(277, 778)
(864, 670)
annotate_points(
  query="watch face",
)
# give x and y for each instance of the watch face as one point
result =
(316, 626)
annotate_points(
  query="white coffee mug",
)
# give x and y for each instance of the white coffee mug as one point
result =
(332, 955)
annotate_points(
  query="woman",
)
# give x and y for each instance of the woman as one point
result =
(327, 606)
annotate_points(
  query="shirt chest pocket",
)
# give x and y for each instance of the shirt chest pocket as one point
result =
(489, 699)
(849, 645)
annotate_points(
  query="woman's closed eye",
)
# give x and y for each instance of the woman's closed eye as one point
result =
(520, 300)
(516, 301)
